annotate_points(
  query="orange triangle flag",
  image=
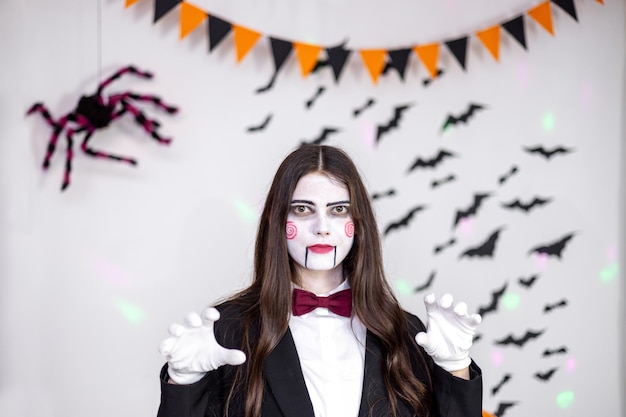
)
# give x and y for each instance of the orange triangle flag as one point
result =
(374, 60)
(600, 1)
(428, 55)
(543, 16)
(487, 414)
(490, 38)
(245, 39)
(130, 3)
(190, 18)
(307, 56)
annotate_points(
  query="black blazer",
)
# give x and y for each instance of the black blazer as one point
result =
(285, 392)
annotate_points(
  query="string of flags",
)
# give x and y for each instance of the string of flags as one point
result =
(374, 60)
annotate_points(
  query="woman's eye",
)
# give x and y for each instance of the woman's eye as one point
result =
(300, 209)
(340, 209)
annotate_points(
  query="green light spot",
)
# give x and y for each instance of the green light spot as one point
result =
(403, 287)
(245, 211)
(510, 301)
(132, 313)
(609, 273)
(565, 399)
(548, 122)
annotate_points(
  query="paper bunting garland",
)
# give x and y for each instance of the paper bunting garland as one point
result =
(375, 61)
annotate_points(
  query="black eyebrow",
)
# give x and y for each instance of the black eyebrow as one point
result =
(334, 203)
(302, 202)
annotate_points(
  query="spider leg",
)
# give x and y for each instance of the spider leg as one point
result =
(126, 70)
(154, 99)
(69, 155)
(57, 128)
(99, 154)
(150, 126)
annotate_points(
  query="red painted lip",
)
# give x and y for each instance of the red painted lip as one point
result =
(321, 248)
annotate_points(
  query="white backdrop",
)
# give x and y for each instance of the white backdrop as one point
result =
(91, 277)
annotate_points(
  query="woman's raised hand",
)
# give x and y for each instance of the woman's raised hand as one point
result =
(192, 351)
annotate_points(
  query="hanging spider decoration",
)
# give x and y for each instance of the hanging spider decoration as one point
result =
(95, 112)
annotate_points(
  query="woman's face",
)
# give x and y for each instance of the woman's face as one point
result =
(319, 228)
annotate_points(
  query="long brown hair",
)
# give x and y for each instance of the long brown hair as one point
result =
(268, 298)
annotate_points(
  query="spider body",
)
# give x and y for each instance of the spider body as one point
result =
(97, 111)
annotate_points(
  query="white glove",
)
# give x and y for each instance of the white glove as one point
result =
(192, 350)
(449, 332)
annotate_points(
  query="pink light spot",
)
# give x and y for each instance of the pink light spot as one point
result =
(466, 225)
(523, 74)
(542, 260)
(368, 134)
(497, 358)
(612, 253)
(571, 364)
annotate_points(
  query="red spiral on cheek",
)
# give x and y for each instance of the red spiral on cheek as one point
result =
(349, 229)
(291, 230)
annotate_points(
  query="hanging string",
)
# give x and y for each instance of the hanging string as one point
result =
(99, 39)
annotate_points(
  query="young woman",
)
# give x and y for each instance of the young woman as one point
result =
(277, 349)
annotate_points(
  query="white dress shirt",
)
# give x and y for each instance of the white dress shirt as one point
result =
(331, 349)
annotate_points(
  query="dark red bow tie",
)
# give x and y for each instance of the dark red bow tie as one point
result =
(339, 303)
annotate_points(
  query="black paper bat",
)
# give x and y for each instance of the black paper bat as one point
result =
(387, 193)
(550, 352)
(548, 154)
(493, 304)
(432, 162)
(309, 103)
(323, 136)
(549, 307)
(428, 80)
(476, 338)
(517, 204)
(404, 221)
(445, 180)
(471, 210)
(545, 376)
(486, 248)
(499, 385)
(444, 245)
(502, 407)
(553, 249)
(262, 126)
(398, 112)
(519, 341)
(369, 103)
(427, 284)
(269, 85)
(528, 282)
(505, 177)
(463, 117)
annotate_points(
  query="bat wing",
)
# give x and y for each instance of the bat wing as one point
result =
(485, 249)
(404, 221)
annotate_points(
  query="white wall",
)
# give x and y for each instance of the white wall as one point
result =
(92, 277)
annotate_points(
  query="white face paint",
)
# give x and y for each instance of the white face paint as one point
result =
(319, 229)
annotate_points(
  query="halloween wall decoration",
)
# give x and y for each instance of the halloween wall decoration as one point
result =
(377, 61)
(95, 112)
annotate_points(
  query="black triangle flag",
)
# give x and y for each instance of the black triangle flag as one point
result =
(280, 51)
(337, 57)
(161, 7)
(458, 47)
(399, 60)
(218, 29)
(516, 28)
(568, 6)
